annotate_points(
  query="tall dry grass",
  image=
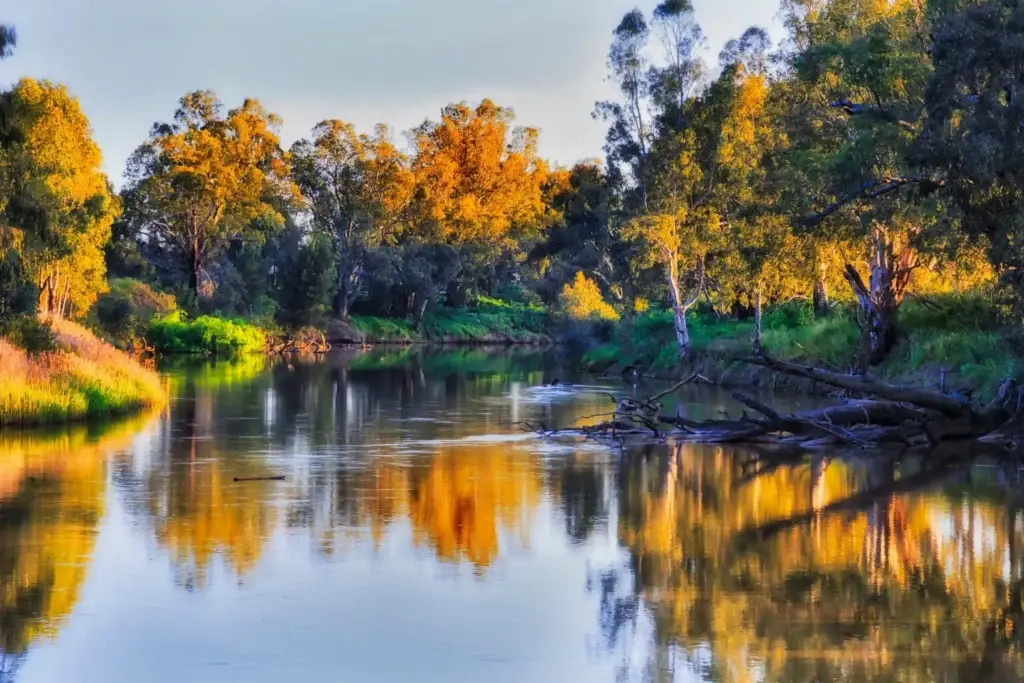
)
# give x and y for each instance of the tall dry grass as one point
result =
(87, 378)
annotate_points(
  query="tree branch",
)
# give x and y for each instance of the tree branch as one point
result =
(873, 189)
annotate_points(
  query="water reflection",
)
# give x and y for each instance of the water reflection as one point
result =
(774, 577)
(703, 562)
(51, 502)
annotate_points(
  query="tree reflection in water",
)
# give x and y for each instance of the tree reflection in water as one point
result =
(736, 567)
(822, 569)
(51, 501)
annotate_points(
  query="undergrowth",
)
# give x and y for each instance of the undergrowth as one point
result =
(206, 335)
(955, 341)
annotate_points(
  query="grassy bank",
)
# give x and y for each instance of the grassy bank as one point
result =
(957, 339)
(83, 377)
(488, 321)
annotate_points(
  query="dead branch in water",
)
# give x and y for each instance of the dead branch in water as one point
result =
(908, 416)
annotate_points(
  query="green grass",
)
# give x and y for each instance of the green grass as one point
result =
(383, 329)
(959, 336)
(206, 335)
(488, 320)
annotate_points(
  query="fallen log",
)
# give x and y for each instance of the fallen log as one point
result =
(947, 404)
(906, 416)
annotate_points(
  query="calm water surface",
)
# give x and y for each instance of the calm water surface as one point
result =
(420, 535)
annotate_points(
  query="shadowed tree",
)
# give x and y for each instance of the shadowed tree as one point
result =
(358, 189)
(8, 40)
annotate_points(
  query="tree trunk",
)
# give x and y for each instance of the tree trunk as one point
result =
(880, 300)
(679, 310)
(820, 294)
(48, 294)
(342, 303)
(757, 322)
(419, 311)
(195, 267)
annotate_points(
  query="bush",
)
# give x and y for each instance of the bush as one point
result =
(206, 335)
(788, 316)
(30, 333)
(582, 300)
(126, 311)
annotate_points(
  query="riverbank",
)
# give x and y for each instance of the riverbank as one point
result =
(953, 343)
(489, 322)
(133, 316)
(81, 377)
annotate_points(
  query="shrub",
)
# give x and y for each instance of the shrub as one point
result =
(29, 332)
(206, 335)
(789, 315)
(582, 300)
(126, 311)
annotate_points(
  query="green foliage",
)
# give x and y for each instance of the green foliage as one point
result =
(305, 281)
(125, 312)
(489, 320)
(795, 314)
(832, 341)
(17, 294)
(29, 332)
(602, 356)
(206, 335)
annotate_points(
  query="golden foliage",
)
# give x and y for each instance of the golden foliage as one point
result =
(208, 176)
(478, 178)
(813, 589)
(51, 501)
(55, 167)
(582, 300)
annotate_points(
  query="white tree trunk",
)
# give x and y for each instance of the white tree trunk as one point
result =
(757, 322)
(679, 307)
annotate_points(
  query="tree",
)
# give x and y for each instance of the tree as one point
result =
(630, 127)
(358, 189)
(582, 300)
(201, 180)
(583, 240)
(304, 276)
(8, 40)
(869, 62)
(971, 139)
(480, 187)
(57, 204)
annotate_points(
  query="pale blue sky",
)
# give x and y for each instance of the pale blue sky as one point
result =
(392, 61)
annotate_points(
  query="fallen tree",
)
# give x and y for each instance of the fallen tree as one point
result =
(872, 413)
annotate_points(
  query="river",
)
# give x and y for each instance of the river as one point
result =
(420, 535)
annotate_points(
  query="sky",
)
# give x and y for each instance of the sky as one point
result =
(376, 61)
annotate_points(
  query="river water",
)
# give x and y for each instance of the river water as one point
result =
(420, 535)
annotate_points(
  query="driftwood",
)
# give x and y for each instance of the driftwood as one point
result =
(907, 416)
(303, 341)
